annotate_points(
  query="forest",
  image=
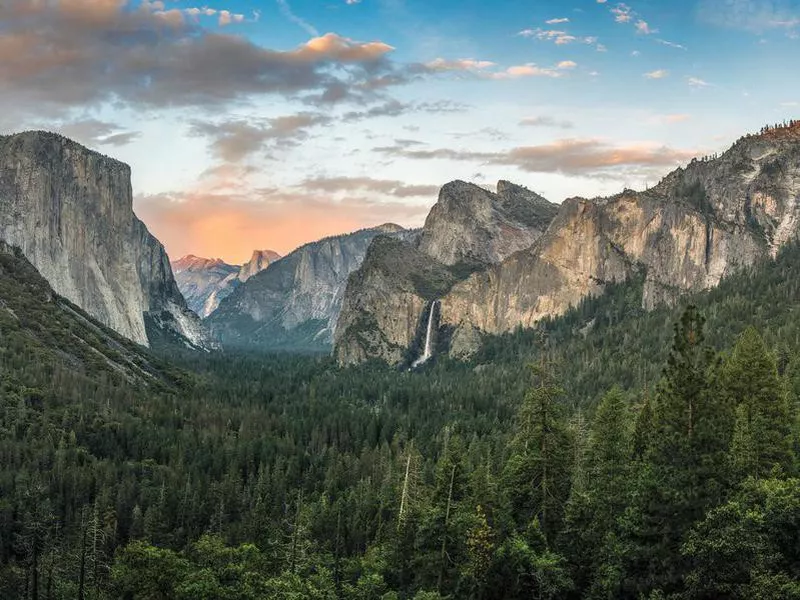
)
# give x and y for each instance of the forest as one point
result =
(608, 453)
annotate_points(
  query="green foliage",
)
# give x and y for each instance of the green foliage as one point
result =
(124, 475)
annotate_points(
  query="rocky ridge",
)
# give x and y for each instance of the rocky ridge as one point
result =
(205, 282)
(295, 303)
(700, 223)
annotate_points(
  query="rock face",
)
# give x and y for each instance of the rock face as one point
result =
(260, 260)
(468, 229)
(295, 303)
(70, 211)
(205, 282)
(395, 285)
(697, 225)
(473, 227)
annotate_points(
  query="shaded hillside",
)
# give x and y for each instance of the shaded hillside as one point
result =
(45, 340)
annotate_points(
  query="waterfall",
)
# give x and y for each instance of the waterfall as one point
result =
(428, 352)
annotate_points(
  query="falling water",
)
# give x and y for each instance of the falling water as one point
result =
(428, 338)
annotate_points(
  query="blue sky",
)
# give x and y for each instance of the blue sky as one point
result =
(268, 124)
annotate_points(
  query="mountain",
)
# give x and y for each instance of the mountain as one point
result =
(294, 304)
(699, 224)
(70, 211)
(44, 333)
(204, 282)
(260, 260)
(474, 227)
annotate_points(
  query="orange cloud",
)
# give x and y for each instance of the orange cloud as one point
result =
(231, 225)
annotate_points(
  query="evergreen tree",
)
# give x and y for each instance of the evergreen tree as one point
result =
(592, 511)
(683, 474)
(536, 477)
(762, 435)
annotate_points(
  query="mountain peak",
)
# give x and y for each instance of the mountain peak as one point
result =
(190, 262)
(259, 261)
(389, 228)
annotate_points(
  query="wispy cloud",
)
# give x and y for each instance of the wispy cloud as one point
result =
(670, 44)
(755, 16)
(696, 82)
(234, 140)
(286, 10)
(657, 74)
(557, 36)
(571, 156)
(623, 13)
(546, 122)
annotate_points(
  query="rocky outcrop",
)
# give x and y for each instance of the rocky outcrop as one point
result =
(70, 211)
(474, 227)
(468, 230)
(396, 284)
(295, 303)
(699, 224)
(205, 282)
(260, 260)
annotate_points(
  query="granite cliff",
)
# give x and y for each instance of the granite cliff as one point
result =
(70, 212)
(700, 223)
(295, 303)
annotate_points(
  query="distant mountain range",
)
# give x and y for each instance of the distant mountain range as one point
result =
(204, 282)
(485, 262)
(295, 302)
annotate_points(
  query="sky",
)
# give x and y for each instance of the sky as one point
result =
(267, 124)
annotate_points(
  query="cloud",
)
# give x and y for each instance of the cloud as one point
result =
(533, 70)
(286, 10)
(571, 156)
(557, 21)
(622, 13)
(670, 119)
(696, 82)
(756, 16)
(234, 140)
(395, 108)
(670, 44)
(55, 57)
(93, 132)
(227, 217)
(657, 74)
(557, 36)
(388, 187)
(484, 69)
(546, 122)
(625, 14)
(644, 28)
(464, 64)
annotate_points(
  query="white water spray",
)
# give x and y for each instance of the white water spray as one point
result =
(426, 355)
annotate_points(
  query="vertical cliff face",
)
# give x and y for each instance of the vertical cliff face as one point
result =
(468, 230)
(699, 224)
(474, 227)
(295, 303)
(70, 212)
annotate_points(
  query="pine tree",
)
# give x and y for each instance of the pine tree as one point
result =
(762, 437)
(537, 476)
(592, 511)
(683, 474)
